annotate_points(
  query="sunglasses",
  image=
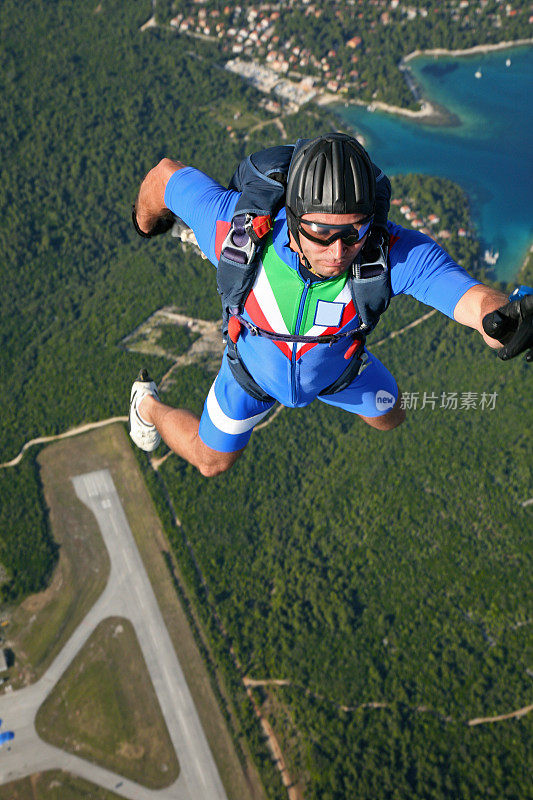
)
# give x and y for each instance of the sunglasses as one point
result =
(325, 235)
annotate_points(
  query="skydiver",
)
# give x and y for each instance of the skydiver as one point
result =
(299, 332)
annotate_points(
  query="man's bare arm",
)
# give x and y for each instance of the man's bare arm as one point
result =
(150, 204)
(474, 305)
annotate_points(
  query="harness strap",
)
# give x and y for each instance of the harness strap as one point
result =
(357, 362)
(239, 259)
(243, 377)
(255, 330)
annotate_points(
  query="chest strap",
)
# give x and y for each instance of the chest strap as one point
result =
(237, 322)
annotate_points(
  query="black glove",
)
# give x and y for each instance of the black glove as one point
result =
(512, 325)
(163, 224)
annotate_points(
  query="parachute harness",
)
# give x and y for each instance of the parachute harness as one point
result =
(241, 246)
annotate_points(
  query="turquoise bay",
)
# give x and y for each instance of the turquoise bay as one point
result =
(488, 153)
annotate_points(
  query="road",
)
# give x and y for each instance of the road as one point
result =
(128, 594)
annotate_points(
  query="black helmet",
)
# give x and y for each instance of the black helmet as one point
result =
(332, 174)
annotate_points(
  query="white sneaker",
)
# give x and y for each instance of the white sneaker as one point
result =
(145, 436)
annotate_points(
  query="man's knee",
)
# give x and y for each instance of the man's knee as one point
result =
(212, 470)
(392, 419)
(213, 463)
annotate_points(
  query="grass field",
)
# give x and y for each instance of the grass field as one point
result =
(54, 785)
(44, 622)
(105, 709)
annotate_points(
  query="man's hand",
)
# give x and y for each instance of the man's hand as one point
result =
(512, 325)
(150, 216)
(162, 224)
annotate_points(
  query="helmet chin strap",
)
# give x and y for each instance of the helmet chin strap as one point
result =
(308, 266)
(296, 236)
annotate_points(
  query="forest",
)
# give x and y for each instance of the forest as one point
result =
(384, 578)
(366, 573)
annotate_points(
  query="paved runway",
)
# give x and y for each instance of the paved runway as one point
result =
(127, 594)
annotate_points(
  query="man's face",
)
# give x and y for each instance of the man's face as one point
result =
(331, 260)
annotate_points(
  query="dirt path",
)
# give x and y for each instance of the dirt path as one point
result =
(250, 683)
(413, 324)
(277, 121)
(71, 432)
(270, 682)
(521, 712)
(152, 22)
(294, 793)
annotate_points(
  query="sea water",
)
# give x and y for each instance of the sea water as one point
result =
(487, 151)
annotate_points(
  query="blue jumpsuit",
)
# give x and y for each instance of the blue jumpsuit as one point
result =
(285, 299)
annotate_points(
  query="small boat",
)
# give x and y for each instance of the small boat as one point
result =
(491, 257)
(508, 62)
(478, 73)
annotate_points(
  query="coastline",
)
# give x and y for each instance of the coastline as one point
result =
(451, 80)
(429, 113)
(469, 51)
(527, 263)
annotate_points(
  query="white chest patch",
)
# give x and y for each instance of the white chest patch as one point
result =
(328, 314)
